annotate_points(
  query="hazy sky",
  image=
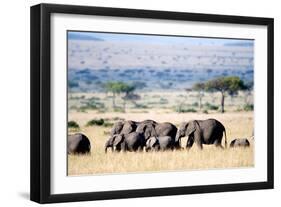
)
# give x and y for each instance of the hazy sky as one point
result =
(156, 39)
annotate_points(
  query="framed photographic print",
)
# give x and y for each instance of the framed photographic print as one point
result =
(132, 103)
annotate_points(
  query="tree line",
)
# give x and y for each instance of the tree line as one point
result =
(225, 85)
(229, 85)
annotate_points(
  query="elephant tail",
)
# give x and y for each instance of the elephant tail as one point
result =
(225, 139)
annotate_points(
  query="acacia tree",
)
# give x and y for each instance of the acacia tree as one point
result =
(127, 90)
(116, 88)
(230, 85)
(199, 87)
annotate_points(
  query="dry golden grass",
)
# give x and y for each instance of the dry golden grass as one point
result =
(238, 125)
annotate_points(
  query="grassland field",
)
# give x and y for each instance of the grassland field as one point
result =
(238, 124)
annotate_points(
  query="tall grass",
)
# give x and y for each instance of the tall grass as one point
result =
(238, 125)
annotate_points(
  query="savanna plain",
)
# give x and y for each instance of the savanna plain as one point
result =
(96, 124)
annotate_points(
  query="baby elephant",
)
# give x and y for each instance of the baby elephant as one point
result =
(160, 143)
(126, 142)
(78, 143)
(240, 143)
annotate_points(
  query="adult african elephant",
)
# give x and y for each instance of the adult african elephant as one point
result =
(160, 143)
(126, 142)
(117, 128)
(153, 129)
(78, 143)
(126, 127)
(201, 132)
(240, 143)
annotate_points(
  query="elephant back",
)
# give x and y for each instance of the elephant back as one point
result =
(166, 129)
(78, 143)
(240, 143)
(147, 129)
(128, 127)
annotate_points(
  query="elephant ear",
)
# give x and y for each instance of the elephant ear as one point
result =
(152, 130)
(146, 132)
(128, 127)
(110, 140)
(141, 128)
(118, 139)
(117, 128)
(190, 128)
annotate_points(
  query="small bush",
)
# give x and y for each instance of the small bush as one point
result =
(186, 110)
(163, 101)
(211, 106)
(205, 111)
(117, 119)
(190, 110)
(141, 106)
(108, 124)
(118, 110)
(96, 122)
(238, 109)
(72, 124)
(195, 104)
(249, 107)
(82, 109)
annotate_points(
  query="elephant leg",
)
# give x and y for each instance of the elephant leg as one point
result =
(189, 142)
(140, 149)
(199, 144)
(124, 147)
(217, 143)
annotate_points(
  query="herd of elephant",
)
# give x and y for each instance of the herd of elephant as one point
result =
(153, 136)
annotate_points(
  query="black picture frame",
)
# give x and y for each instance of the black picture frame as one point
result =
(41, 99)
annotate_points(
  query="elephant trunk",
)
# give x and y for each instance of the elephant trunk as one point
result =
(178, 136)
(225, 140)
(177, 140)
(106, 146)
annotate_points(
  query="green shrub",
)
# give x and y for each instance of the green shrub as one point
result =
(195, 104)
(118, 118)
(141, 106)
(118, 109)
(108, 124)
(163, 101)
(190, 110)
(93, 98)
(211, 106)
(82, 109)
(72, 124)
(181, 110)
(248, 107)
(94, 105)
(205, 111)
(97, 122)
